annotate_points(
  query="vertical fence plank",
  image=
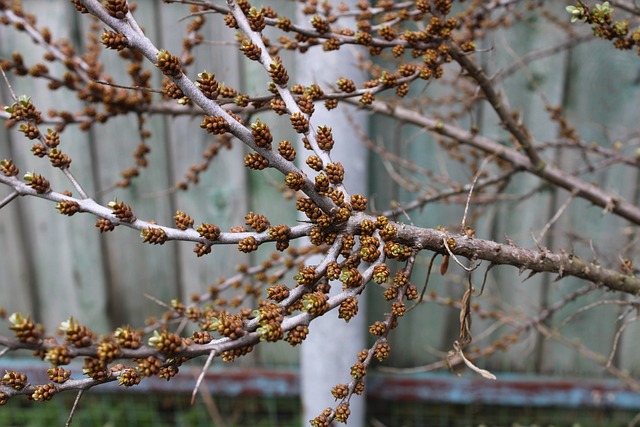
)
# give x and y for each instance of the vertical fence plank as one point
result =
(221, 197)
(615, 105)
(64, 252)
(152, 270)
(535, 85)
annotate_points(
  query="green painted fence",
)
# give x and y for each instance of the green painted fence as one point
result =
(54, 266)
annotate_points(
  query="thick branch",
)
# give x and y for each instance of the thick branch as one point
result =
(138, 41)
(549, 173)
(497, 101)
(424, 238)
(522, 258)
(190, 235)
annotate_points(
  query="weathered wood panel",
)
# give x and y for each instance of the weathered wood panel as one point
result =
(558, 80)
(220, 197)
(65, 276)
(55, 266)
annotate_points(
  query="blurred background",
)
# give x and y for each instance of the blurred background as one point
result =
(54, 267)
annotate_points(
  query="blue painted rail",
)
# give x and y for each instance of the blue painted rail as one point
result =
(508, 390)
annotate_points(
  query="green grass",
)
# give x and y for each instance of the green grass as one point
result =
(165, 410)
(158, 410)
(415, 414)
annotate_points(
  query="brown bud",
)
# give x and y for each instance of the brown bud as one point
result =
(117, 8)
(182, 220)
(286, 150)
(382, 350)
(258, 222)
(122, 212)
(52, 139)
(39, 150)
(335, 173)
(68, 207)
(250, 50)
(346, 85)
(209, 231)
(348, 309)
(297, 335)
(256, 19)
(8, 168)
(107, 352)
(320, 25)
(230, 21)
(129, 377)
(38, 183)
(278, 73)
(255, 161)
(343, 412)
(278, 106)
(30, 131)
(59, 159)
(171, 90)
(58, 374)
(208, 85)
(201, 249)
(358, 371)
(113, 40)
(166, 342)
(261, 134)
(314, 162)
(168, 64)
(325, 138)
(299, 122)
(248, 244)
(216, 125)
(44, 392)
(15, 380)
(294, 181)
(105, 225)
(154, 235)
(284, 24)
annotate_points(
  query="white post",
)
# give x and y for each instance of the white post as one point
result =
(332, 345)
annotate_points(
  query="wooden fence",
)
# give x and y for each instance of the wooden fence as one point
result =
(53, 266)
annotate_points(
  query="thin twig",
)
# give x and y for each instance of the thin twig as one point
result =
(627, 6)
(75, 183)
(426, 198)
(424, 368)
(551, 174)
(426, 282)
(558, 214)
(6, 80)
(499, 103)
(484, 279)
(616, 339)
(405, 213)
(475, 179)
(634, 421)
(66, 171)
(593, 305)
(482, 372)
(73, 408)
(140, 88)
(540, 54)
(158, 301)
(212, 408)
(591, 355)
(469, 269)
(8, 199)
(206, 366)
